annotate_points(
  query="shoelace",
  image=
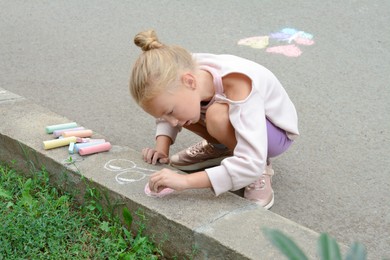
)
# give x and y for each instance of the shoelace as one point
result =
(257, 185)
(197, 148)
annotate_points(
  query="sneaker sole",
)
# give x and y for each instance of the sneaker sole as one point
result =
(270, 204)
(200, 165)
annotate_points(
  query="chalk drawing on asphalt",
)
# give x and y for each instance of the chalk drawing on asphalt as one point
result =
(127, 171)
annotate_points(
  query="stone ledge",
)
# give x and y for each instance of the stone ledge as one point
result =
(190, 223)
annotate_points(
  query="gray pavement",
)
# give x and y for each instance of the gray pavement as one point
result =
(74, 59)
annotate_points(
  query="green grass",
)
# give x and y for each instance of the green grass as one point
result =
(39, 221)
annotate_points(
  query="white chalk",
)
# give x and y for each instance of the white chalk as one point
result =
(71, 148)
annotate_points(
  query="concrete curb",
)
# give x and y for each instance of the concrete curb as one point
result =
(190, 224)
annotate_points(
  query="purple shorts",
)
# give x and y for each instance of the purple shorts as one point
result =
(278, 141)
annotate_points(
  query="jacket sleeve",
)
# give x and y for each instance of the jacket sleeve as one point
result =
(250, 154)
(164, 128)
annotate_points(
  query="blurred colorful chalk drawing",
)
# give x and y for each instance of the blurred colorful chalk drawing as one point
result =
(289, 37)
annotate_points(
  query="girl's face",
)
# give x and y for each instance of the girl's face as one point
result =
(180, 106)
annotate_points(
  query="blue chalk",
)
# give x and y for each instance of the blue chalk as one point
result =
(81, 145)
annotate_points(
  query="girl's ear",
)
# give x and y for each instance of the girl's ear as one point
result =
(189, 80)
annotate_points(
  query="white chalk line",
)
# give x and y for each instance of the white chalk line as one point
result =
(131, 169)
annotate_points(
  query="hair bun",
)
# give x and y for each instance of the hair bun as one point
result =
(147, 40)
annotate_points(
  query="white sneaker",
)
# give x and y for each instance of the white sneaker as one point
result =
(261, 190)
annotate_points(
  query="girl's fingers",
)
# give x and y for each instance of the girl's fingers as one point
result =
(150, 155)
(161, 188)
(155, 157)
(145, 153)
(153, 186)
(155, 182)
(163, 160)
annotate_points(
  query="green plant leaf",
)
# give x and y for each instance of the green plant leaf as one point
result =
(4, 193)
(91, 207)
(127, 217)
(357, 251)
(328, 249)
(27, 199)
(284, 244)
(128, 235)
(27, 185)
(139, 243)
(104, 226)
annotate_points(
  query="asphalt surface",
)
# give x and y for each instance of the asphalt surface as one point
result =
(74, 58)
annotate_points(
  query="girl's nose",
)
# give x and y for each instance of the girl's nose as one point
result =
(173, 121)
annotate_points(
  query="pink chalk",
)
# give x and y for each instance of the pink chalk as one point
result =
(79, 133)
(160, 194)
(95, 148)
(304, 41)
(287, 50)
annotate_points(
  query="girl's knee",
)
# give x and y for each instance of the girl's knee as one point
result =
(219, 126)
(217, 114)
(217, 119)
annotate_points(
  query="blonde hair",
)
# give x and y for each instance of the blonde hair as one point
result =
(157, 67)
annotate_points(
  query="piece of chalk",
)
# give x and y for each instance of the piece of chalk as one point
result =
(50, 144)
(82, 145)
(88, 140)
(51, 128)
(82, 140)
(71, 148)
(103, 147)
(78, 133)
(58, 133)
(160, 194)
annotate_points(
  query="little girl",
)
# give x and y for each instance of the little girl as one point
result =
(237, 106)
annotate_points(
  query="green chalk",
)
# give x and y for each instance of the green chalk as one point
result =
(51, 128)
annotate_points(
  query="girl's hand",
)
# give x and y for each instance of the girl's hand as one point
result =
(167, 178)
(152, 156)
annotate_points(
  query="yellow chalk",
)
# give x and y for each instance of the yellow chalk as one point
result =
(50, 144)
